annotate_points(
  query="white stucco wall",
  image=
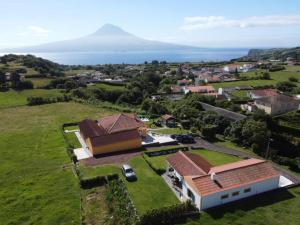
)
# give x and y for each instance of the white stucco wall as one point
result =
(185, 188)
(256, 188)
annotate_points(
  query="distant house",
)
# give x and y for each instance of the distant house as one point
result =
(277, 104)
(256, 94)
(209, 186)
(199, 89)
(184, 82)
(169, 120)
(113, 133)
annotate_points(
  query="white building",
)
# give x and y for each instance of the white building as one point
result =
(208, 186)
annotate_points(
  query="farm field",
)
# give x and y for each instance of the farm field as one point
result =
(276, 77)
(14, 98)
(109, 87)
(39, 82)
(37, 184)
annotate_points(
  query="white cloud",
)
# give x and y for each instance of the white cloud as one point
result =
(212, 22)
(35, 31)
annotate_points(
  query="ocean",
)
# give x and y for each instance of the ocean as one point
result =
(93, 58)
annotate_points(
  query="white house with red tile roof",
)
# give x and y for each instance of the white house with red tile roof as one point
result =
(209, 186)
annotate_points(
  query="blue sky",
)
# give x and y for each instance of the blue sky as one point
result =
(205, 23)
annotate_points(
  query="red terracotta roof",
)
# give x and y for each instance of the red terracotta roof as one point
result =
(197, 172)
(115, 137)
(89, 128)
(167, 116)
(233, 178)
(265, 92)
(187, 164)
(200, 89)
(120, 122)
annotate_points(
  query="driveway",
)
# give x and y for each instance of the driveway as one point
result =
(112, 158)
(211, 146)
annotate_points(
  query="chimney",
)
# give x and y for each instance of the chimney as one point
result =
(213, 177)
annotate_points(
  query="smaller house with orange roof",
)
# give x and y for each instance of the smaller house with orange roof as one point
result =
(209, 186)
(205, 89)
(168, 120)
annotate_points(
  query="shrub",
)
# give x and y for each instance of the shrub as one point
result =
(293, 79)
(166, 151)
(92, 182)
(169, 215)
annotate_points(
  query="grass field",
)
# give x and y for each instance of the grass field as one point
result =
(37, 182)
(14, 98)
(276, 77)
(109, 87)
(39, 82)
(103, 170)
(76, 72)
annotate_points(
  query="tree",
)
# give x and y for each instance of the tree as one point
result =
(266, 76)
(286, 86)
(179, 71)
(209, 131)
(15, 80)
(236, 73)
(70, 84)
(2, 78)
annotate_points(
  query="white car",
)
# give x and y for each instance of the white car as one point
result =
(128, 172)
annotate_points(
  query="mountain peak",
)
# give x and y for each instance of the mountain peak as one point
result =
(110, 29)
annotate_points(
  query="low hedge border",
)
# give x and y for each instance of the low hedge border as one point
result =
(174, 214)
(156, 170)
(166, 151)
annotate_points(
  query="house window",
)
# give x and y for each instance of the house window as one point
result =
(224, 196)
(191, 195)
(247, 190)
(235, 193)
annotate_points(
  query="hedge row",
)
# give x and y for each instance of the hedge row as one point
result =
(159, 171)
(166, 151)
(169, 215)
(96, 181)
(42, 100)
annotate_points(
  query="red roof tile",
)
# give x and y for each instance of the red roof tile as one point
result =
(265, 92)
(187, 164)
(120, 122)
(197, 172)
(167, 116)
(234, 178)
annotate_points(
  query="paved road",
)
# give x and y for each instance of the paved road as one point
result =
(211, 146)
(223, 112)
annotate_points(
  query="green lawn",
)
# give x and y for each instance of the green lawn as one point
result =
(72, 139)
(177, 130)
(149, 191)
(39, 82)
(14, 98)
(37, 183)
(276, 208)
(109, 87)
(103, 170)
(240, 94)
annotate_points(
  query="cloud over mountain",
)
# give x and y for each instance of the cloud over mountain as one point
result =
(213, 22)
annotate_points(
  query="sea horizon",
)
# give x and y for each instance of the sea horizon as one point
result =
(139, 57)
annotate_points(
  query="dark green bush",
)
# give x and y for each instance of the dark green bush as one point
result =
(169, 215)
